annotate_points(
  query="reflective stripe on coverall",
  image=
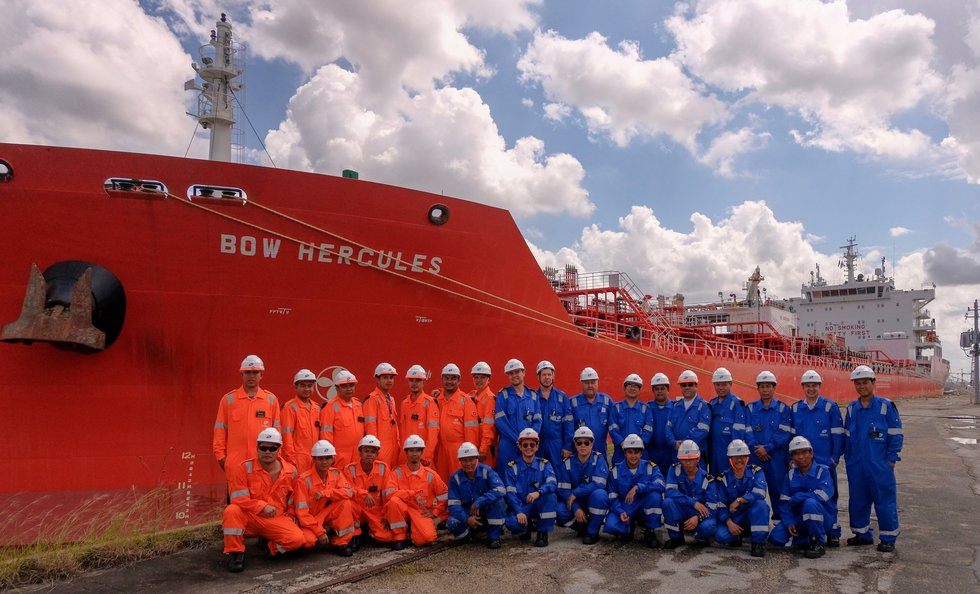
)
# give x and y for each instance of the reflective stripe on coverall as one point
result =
(420, 417)
(679, 498)
(557, 424)
(417, 491)
(251, 489)
(824, 428)
(752, 515)
(587, 481)
(514, 414)
(381, 421)
(342, 424)
(595, 416)
(486, 492)
(522, 479)
(728, 421)
(300, 430)
(806, 502)
(325, 503)
(771, 427)
(380, 484)
(693, 422)
(660, 449)
(647, 501)
(458, 423)
(625, 419)
(239, 421)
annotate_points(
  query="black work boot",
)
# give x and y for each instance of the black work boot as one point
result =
(650, 539)
(735, 544)
(525, 536)
(629, 536)
(673, 543)
(343, 550)
(399, 545)
(814, 551)
(236, 562)
(886, 547)
(590, 539)
(833, 542)
(758, 549)
(541, 540)
(859, 541)
(355, 544)
(494, 543)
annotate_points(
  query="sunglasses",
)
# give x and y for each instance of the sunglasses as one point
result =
(322, 457)
(583, 442)
(528, 444)
(272, 448)
(687, 385)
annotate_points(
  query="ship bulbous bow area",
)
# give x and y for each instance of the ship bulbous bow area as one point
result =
(72, 305)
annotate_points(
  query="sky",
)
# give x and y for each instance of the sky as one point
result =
(684, 143)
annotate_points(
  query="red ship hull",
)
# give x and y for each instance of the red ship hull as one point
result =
(99, 431)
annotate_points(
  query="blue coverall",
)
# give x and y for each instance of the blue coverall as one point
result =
(693, 422)
(595, 416)
(771, 427)
(824, 428)
(679, 498)
(514, 414)
(587, 481)
(521, 480)
(873, 442)
(752, 515)
(728, 421)
(805, 502)
(660, 449)
(624, 420)
(557, 425)
(486, 491)
(647, 500)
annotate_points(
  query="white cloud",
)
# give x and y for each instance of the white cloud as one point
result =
(962, 104)
(899, 231)
(527, 102)
(721, 155)
(439, 140)
(97, 75)
(617, 92)
(557, 111)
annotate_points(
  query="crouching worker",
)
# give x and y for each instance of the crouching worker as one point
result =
(531, 488)
(323, 502)
(374, 483)
(690, 500)
(476, 498)
(805, 500)
(636, 490)
(742, 501)
(261, 491)
(419, 500)
(582, 482)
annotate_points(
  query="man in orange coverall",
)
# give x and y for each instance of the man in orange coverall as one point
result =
(242, 414)
(380, 416)
(420, 499)
(323, 500)
(419, 415)
(485, 400)
(261, 490)
(342, 419)
(300, 422)
(458, 422)
(373, 483)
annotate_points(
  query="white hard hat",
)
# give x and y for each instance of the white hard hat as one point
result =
(738, 448)
(862, 372)
(688, 450)
(811, 377)
(799, 443)
(416, 372)
(322, 449)
(369, 440)
(588, 374)
(384, 369)
(451, 369)
(304, 375)
(414, 441)
(584, 431)
(632, 442)
(687, 376)
(252, 363)
(633, 378)
(513, 365)
(721, 375)
(481, 368)
(269, 435)
(545, 365)
(344, 377)
(659, 380)
(766, 377)
(467, 450)
(528, 434)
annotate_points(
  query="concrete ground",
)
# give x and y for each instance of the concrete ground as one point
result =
(938, 550)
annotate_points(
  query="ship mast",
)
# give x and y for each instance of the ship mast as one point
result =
(850, 256)
(215, 104)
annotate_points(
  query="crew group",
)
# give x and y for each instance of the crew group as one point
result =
(303, 476)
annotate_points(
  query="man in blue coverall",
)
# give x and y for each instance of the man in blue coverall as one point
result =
(690, 499)
(591, 408)
(531, 486)
(728, 419)
(582, 479)
(557, 424)
(690, 415)
(819, 420)
(770, 429)
(636, 490)
(805, 501)
(476, 498)
(873, 442)
(629, 416)
(660, 448)
(516, 409)
(742, 501)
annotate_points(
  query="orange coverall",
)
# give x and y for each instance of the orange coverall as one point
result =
(485, 403)
(342, 424)
(300, 430)
(380, 484)
(381, 421)
(240, 420)
(251, 489)
(458, 422)
(422, 489)
(323, 503)
(421, 418)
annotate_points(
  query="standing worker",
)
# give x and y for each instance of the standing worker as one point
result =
(531, 491)
(419, 501)
(582, 480)
(591, 409)
(819, 420)
(300, 422)
(660, 448)
(380, 416)
(476, 499)
(873, 442)
(805, 497)
(690, 499)
(458, 421)
(419, 415)
(517, 409)
(690, 415)
(636, 491)
(770, 429)
(242, 415)
(557, 424)
(323, 501)
(373, 483)
(342, 419)
(629, 416)
(484, 399)
(728, 420)
(742, 501)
